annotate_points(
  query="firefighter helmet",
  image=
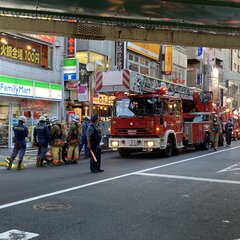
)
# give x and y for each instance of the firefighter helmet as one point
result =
(54, 119)
(76, 118)
(42, 119)
(22, 119)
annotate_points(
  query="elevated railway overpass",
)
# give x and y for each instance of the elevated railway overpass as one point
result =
(208, 23)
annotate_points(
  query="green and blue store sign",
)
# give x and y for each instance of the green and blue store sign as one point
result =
(19, 87)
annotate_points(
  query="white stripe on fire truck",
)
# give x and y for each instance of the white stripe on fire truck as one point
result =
(126, 79)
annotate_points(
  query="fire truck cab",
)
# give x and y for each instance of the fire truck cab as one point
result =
(153, 122)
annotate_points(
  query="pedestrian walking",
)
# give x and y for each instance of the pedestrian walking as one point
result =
(41, 140)
(83, 140)
(216, 129)
(228, 132)
(73, 140)
(20, 135)
(93, 143)
(56, 141)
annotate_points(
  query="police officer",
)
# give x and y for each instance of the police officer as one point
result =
(20, 135)
(56, 140)
(228, 132)
(93, 141)
(83, 141)
(73, 140)
(41, 139)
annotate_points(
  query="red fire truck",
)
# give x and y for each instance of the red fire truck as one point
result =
(154, 115)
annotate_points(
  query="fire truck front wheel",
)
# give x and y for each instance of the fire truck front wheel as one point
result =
(168, 152)
(124, 152)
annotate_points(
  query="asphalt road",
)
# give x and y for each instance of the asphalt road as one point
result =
(194, 195)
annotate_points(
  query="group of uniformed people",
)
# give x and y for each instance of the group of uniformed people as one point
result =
(217, 130)
(52, 132)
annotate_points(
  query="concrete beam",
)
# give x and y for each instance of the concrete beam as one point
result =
(117, 33)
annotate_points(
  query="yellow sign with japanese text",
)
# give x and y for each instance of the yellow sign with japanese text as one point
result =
(146, 49)
(168, 60)
(19, 54)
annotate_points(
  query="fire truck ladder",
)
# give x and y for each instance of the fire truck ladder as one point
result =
(149, 84)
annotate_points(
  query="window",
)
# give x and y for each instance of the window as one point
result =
(139, 64)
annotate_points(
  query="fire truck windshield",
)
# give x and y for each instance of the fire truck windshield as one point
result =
(130, 107)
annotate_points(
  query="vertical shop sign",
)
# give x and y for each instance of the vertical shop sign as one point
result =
(120, 55)
(199, 79)
(82, 93)
(168, 60)
(71, 69)
(71, 47)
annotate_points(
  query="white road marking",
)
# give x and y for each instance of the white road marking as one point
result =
(234, 167)
(212, 180)
(12, 204)
(16, 234)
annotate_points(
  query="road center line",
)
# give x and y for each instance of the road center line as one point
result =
(12, 204)
(212, 180)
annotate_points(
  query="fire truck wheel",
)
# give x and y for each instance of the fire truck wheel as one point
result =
(124, 152)
(168, 152)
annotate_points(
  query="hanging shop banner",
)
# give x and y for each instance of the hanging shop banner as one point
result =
(24, 50)
(120, 55)
(71, 47)
(19, 87)
(199, 79)
(145, 49)
(168, 60)
(71, 69)
(82, 93)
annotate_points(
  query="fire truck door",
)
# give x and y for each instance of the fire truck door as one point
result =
(176, 118)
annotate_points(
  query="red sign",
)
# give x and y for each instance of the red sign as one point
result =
(71, 48)
(70, 114)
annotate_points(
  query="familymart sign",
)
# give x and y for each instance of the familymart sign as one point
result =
(19, 87)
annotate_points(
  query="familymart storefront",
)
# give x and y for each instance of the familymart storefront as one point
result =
(26, 97)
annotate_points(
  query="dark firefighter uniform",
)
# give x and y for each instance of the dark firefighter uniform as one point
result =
(41, 139)
(94, 139)
(56, 142)
(20, 135)
(216, 129)
(73, 141)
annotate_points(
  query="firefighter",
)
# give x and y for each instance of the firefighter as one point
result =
(228, 132)
(73, 140)
(20, 135)
(83, 141)
(216, 129)
(93, 141)
(56, 140)
(41, 140)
